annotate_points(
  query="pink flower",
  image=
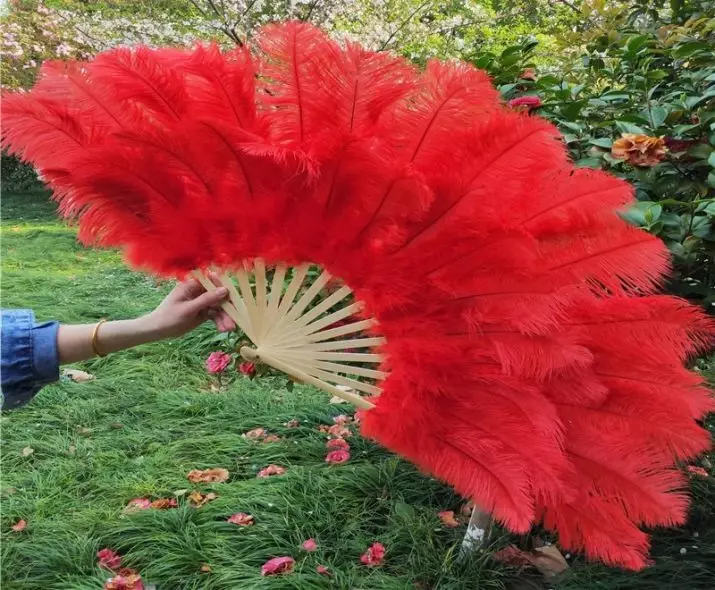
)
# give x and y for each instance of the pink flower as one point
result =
(342, 419)
(309, 545)
(125, 580)
(109, 559)
(138, 504)
(447, 518)
(19, 526)
(323, 571)
(337, 457)
(337, 444)
(256, 433)
(339, 431)
(374, 555)
(524, 103)
(217, 362)
(699, 471)
(248, 369)
(278, 565)
(241, 519)
(271, 470)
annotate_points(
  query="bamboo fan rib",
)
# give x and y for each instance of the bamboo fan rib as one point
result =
(299, 337)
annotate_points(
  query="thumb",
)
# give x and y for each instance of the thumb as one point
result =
(207, 299)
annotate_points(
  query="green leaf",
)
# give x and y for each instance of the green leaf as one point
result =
(658, 116)
(711, 180)
(614, 95)
(635, 43)
(701, 151)
(404, 510)
(625, 127)
(506, 89)
(711, 159)
(588, 163)
(603, 142)
(688, 49)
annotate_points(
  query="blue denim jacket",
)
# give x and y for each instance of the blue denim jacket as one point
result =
(29, 357)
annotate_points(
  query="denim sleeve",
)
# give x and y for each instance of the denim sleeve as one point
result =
(29, 356)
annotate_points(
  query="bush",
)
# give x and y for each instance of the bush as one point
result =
(658, 85)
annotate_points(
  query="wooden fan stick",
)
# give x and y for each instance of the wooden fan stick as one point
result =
(285, 304)
(227, 306)
(271, 361)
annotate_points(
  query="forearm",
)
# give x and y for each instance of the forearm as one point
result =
(74, 342)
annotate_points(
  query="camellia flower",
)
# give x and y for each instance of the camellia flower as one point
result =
(639, 150)
(138, 504)
(271, 470)
(447, 518)
(278, 565)
(215, 475)
(241, 519)
(699, 471)
(126, 579)
(109, 559)
(256, 433)
(217, 362)
(337, 444)
(524, 103)
(337, 457)
(248, 369)
(339, 431)
(164, 503)
(309, 545)
(374, 555)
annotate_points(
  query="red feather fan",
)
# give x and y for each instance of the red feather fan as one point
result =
(529, 362)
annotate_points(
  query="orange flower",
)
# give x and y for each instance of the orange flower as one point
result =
(447, 518)
(198, 499)
(215, 475)
(639, 150)
(164, 503)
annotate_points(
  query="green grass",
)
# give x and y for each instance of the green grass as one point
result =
(148, 419)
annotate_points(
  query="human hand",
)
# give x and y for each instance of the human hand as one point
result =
(188, 306)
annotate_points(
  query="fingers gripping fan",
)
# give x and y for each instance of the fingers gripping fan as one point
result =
(496, 317)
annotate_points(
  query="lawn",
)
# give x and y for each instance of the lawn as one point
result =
(150, 417)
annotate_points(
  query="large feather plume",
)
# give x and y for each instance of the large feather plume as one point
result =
(530, 363)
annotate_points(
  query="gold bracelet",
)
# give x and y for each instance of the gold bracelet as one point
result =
(95, 334)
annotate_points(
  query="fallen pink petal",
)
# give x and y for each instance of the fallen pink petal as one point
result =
(337, 444)
(698, 471)
(19, 526)
(337, 457)
(109, 559)
(271, 470)
(138, 504)
(323, 571)
(374, 555)
(309, 545)
(278, 565)
(241, 519)
(448, 519)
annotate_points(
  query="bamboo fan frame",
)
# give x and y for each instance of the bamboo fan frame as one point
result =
(297, 339)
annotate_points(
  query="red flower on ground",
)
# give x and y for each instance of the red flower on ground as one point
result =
(524, 103)
(309, 545)
(217, 362)
(278, 565)
(337, 457)
(337, 444)
(138, 504)
(241, 519)
(271, 470)
(322, 570)
(699, 471)
(447, 518)
(248, 369)
(19, 526)
(374, 555)
(109, 559)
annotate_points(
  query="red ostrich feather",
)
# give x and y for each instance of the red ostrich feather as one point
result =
(531, 364)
